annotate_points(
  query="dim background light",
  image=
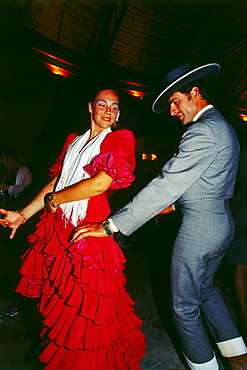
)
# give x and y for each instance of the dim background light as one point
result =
(244, 117)
(148, 157)
(136, 94)
(58, 71)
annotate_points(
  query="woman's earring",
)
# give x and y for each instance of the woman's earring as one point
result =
(115, 122)
(91, 118)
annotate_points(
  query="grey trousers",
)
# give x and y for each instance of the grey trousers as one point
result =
(206, 231)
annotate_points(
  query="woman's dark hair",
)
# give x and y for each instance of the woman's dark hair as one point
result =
(13, 161)
(203, 91)
(95, 93)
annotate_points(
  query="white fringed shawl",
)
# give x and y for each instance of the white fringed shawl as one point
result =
(77, 156)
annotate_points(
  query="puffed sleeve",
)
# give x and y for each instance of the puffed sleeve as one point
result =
(56, 168)
(117, 158)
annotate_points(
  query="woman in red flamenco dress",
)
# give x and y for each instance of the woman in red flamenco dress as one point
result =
(89, 321)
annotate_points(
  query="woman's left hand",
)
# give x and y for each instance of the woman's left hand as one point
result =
(48, 205)
(12, 220)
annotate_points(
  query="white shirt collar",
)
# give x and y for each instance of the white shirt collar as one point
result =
(198, 114)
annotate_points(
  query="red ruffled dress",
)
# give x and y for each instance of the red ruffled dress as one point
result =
(89, 321)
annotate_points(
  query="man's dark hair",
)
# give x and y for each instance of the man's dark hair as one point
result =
(203, 91)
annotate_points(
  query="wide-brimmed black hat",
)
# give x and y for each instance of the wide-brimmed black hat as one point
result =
(180, 77)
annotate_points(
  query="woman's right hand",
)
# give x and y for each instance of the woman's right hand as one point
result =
(12, 220)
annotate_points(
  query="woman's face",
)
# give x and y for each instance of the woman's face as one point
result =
(104, 110)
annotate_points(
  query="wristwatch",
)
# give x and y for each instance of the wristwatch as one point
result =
(50, 198)
(105, 224)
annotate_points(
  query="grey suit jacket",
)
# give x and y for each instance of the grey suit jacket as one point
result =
(204, 168)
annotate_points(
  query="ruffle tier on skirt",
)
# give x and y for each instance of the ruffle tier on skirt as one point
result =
(89, 321)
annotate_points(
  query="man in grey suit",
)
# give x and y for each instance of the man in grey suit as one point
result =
(199, 180)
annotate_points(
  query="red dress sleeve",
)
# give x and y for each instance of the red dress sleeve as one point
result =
(117, 159)
(56, 168)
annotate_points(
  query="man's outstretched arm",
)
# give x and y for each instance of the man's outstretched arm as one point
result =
(102, 229)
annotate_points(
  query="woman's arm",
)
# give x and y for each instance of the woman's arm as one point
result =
(14, 219)
(84, 189)
(38, 202)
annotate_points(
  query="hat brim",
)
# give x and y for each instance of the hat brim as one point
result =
(206, 72)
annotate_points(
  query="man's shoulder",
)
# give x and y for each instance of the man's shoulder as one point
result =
(212, 122)
(212, 114)
(214, 119)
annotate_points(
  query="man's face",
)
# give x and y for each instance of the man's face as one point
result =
(183, 106)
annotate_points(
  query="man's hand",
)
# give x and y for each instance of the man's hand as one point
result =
(12, 220)
(94, 230)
